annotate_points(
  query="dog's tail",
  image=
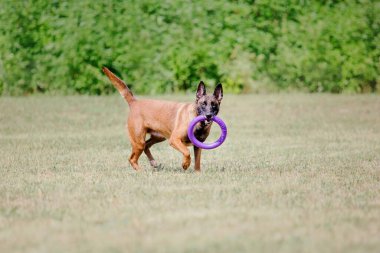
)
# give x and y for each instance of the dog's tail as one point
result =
(125, 92)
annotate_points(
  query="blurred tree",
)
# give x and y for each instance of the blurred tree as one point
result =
(168, 46)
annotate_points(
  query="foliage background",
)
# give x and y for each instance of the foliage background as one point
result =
(168, 46)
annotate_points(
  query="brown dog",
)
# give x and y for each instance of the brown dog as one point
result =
(167, 120)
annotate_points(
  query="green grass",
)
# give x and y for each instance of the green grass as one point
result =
(297, 173)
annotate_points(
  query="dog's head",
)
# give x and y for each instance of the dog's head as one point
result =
(208, 105)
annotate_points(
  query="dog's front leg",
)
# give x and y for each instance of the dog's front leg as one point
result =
(197, 159)
(177, 144)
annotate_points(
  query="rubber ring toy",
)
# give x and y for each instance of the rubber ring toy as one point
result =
(196, 142)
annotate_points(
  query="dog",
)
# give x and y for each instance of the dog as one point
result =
(167, 120)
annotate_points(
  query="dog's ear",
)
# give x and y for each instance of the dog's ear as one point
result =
(201, 91)
(218, 92)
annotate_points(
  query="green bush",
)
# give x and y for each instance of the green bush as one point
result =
(168, 46)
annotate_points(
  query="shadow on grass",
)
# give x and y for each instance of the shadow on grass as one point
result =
(172, 169)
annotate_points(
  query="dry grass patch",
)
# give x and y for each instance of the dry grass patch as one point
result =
(298, 173)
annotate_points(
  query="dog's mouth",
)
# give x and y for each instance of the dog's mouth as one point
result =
(207, 122)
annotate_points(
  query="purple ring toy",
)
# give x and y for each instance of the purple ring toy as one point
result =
(190, 132)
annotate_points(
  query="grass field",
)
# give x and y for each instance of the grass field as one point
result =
(297, 173)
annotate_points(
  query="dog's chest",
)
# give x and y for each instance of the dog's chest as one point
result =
(201, 133)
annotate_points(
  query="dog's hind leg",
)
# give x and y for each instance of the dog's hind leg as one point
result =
(149, 143)
(134, 157)
(137, 138)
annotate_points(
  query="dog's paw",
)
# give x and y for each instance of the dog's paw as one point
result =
(154, 163)
(186, 163)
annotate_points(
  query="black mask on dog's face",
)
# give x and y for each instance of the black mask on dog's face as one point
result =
(208, 105)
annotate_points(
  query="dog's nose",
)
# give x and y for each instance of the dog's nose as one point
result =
(208, 116)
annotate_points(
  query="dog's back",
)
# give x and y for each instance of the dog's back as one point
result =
(161, 116)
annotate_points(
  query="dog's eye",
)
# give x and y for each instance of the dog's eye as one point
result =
(204, 103)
